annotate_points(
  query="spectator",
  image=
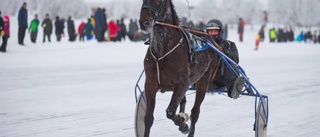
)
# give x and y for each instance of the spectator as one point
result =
(33, 29)
(1, 25)
(314, 37)
(71, 29)
(59, 25)
(23, 23)
(100, 24)
(88, 29)
(241, 29)
(5, 33)
(257, 38)
(113, 30)
(119, 31)
(291, 35)
(308, 37)
(47, 28)
(92, 21)
(133, 27)
(80, 31)
(225, 32)
(319, 38)
(201, 26)
(272, 35)
(280, 35)
(123, 31)
(300, 37)
(261, 34)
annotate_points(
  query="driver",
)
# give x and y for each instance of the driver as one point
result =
(225, 77)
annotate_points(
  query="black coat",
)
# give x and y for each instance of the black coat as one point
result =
(47, 26)
(59, 24)
(230, 49)
(1, 23)
(71, 28)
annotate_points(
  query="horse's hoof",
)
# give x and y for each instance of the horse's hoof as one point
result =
(184, 128)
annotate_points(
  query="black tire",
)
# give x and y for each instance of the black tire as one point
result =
(261, 119)
(139, 116)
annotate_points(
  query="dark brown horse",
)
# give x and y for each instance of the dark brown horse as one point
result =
(168, 68)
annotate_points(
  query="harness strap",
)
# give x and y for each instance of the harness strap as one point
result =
(215, 71)
(158, 59)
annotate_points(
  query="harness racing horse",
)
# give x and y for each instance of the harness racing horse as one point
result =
(168, 67)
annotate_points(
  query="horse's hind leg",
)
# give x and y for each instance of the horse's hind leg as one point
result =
(202, 85)
(178, 97)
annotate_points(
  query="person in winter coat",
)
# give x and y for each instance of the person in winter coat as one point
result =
(133, 28)
(113, 30)
(300, 37)
(92, 21)
(225, 32)
(71, 30)
(123, 31)
(1, 24)
(225, 77)
(257, 38)
(23, 23)
(272, 35)
(59, 25)
(201, 26)
(80, 31)
(47, 28)
(100, 24)
(241, 29)
(33, 29)
(88, 29)
(119, 34)
(5, 33)
(261, 34)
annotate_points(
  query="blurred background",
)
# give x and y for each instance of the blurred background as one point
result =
(300, 13)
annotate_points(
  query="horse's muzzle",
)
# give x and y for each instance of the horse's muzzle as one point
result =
(145, 25)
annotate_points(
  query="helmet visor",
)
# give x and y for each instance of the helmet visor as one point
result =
(213, 25)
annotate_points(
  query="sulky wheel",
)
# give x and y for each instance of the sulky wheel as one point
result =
(261, 119)
(139, 116)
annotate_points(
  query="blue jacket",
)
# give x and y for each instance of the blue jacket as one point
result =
(23, 17)
(99, 19)
(87, 29)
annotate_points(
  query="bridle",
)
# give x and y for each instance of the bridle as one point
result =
(153, 10)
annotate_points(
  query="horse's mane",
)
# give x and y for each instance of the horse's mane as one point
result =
(175, 18)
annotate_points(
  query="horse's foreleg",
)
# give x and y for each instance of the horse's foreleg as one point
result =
(178, 97)
(148, 120)
(183, 104)
(200, 94)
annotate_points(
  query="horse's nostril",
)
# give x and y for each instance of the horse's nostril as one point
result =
(146, 23)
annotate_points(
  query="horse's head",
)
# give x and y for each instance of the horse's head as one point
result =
(156, 10)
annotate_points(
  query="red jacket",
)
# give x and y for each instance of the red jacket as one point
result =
(6, 25)
(113, 29)
(80, 28)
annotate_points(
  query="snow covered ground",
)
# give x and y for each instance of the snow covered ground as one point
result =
(87, 89)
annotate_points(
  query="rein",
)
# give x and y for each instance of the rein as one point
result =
(188, 29)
